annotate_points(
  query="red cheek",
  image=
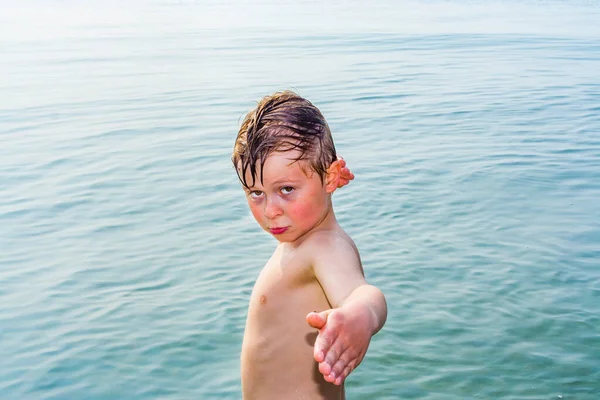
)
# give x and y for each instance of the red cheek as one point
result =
(302, 210)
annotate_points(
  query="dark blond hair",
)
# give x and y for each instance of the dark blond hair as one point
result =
(281, 122)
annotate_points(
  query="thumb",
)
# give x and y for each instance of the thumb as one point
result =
(318, 320)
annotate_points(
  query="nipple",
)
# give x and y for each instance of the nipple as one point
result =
(263, 299)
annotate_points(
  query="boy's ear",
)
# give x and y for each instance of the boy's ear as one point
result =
(332, 179)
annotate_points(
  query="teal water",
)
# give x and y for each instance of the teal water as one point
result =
(127, 254)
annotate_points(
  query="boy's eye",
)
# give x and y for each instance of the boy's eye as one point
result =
(287, 189)
(255, 194)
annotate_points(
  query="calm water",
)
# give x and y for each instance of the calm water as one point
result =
(127, 252)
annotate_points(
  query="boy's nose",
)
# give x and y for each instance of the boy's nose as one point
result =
(272, 209)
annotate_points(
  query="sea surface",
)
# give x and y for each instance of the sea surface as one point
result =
(128, 255)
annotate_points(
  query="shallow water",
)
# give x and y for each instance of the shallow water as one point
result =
(127, 251)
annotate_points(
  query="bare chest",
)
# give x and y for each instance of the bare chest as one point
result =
(277, 352)
(279, 287)
(284, 293)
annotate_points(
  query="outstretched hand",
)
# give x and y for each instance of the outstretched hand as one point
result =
(345, 174)
(342, 342)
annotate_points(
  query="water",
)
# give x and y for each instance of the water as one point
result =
(127, 251)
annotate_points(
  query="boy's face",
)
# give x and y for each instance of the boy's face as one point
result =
(291, 200)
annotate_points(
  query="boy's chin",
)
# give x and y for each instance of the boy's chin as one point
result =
(282, 237)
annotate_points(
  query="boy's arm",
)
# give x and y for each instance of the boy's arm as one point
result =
(359, 310)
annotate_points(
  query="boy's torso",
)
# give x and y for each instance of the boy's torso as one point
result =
(277, 354)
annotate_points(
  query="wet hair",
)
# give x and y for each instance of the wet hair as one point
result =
(281, 122)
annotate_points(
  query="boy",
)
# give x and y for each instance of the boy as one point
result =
(285, 158)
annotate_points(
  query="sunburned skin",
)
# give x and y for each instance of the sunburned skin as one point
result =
(278, 351)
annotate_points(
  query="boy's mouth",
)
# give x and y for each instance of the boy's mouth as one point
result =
(277, 231)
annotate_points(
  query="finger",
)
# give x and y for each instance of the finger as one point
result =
(343, 361)
(326, 367)
(335, 360)
(347, 371)
(354, 362)
(343, 376)
(332, 357)
(322, 345)
(336, 377)
(331, 378)
(339, 367)
(317, 320)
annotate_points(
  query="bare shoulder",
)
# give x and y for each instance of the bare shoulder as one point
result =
(335, 263)
(334, 242)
